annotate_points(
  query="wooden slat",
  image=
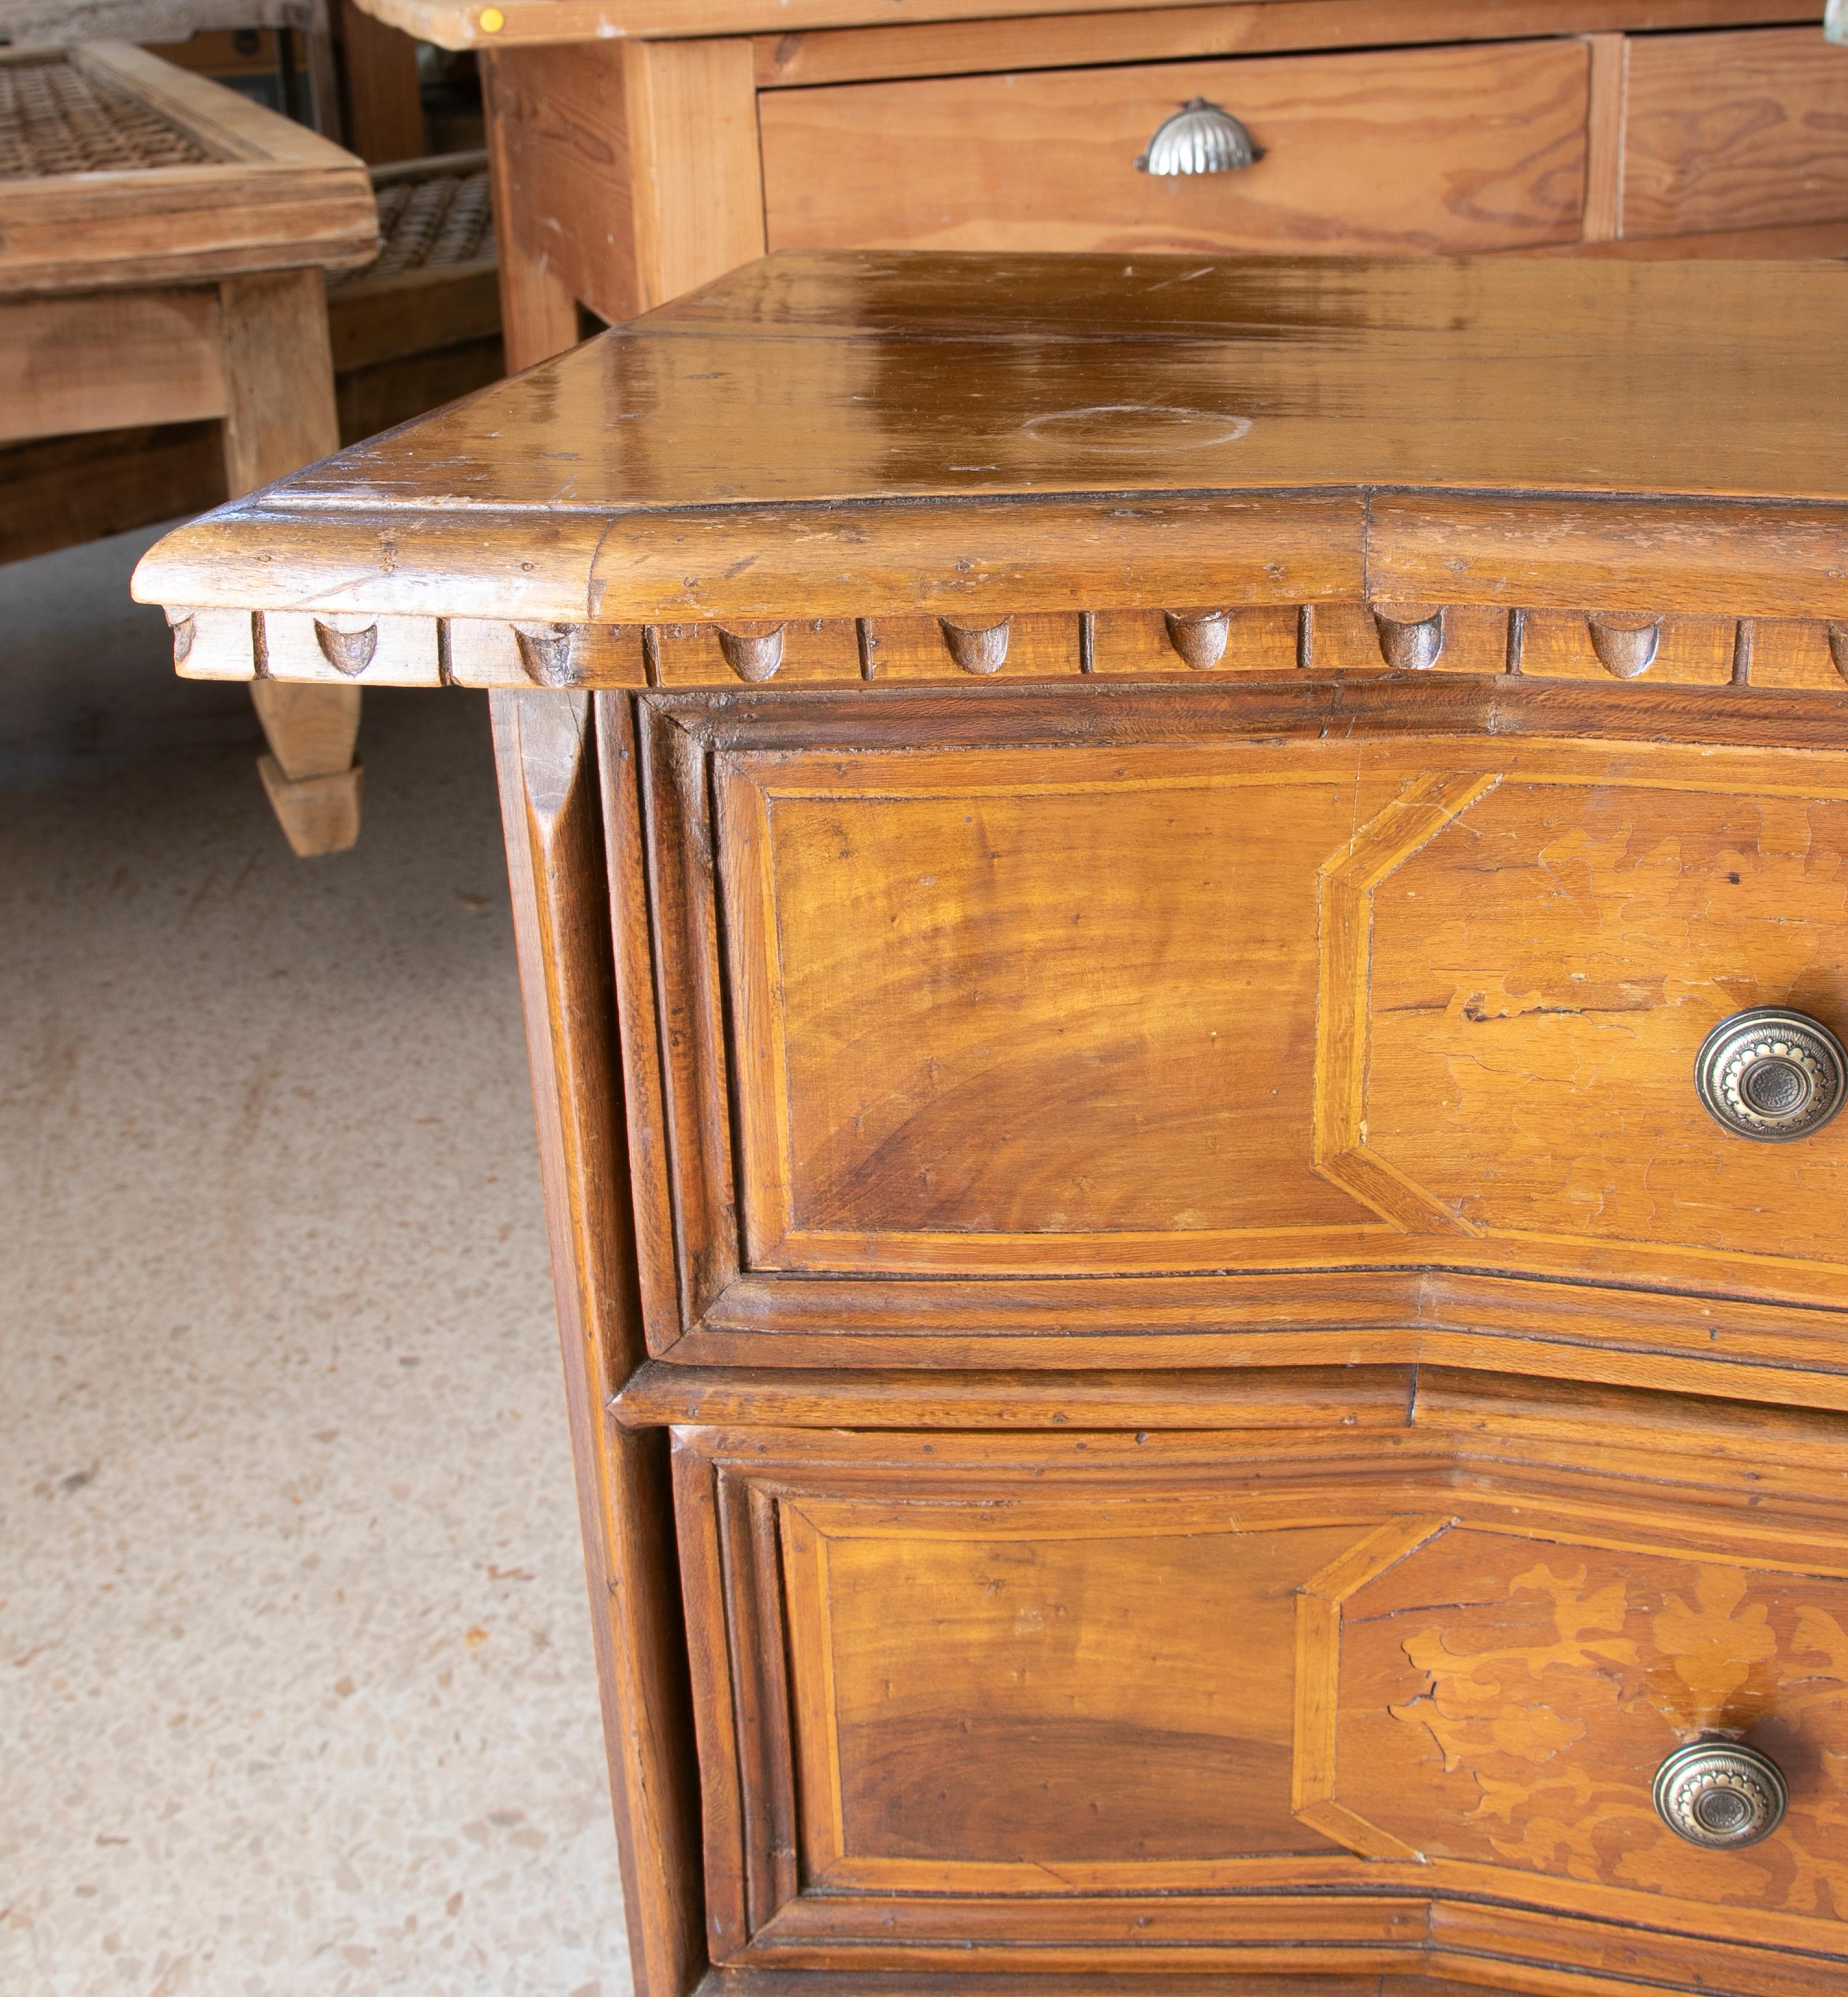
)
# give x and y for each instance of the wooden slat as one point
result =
(1603, 138)
(659, 1394)
(416, 312)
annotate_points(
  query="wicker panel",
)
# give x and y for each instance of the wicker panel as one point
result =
(55, 119)
(445, 218)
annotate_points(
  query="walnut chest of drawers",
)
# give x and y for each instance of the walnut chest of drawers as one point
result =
(1184, 923)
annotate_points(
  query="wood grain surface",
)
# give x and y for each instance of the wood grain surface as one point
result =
(1453, 149)
(1734, 131)
(761, 450)
(1442, 1660)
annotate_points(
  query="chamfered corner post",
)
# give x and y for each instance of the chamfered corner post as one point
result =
(546, 753)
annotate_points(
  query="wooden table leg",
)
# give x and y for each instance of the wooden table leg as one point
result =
(280, 416)
(539, 308)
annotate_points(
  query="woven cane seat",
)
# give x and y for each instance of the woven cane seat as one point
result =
(55, 118)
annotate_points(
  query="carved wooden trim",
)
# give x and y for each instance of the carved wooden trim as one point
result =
(1785, 655)
(1412, 634)
(1198, 636)
(1626, 646)
(1838, 648)
(183, 627)
(545, 653)
(348, 646)
(752, 655)
(977, 648)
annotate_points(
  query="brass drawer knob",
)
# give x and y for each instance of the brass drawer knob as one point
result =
(1200, 138)
(1718, 1794)
(1772, 1075)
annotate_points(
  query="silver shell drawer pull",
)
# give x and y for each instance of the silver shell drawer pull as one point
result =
(1200, 138)
(1772, 1075)
(1721, 1795)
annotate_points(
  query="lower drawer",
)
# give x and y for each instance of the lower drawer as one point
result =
(1317, 1688)
(1401, 149)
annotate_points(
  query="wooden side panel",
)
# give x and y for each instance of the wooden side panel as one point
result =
(102, 362)
(546, 757)
(1734, 131)
(1454, 149)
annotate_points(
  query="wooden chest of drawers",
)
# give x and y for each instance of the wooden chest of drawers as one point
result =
(642, 147)
(1183, 930)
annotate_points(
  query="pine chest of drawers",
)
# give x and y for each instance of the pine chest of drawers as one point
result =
(642, 147)
(1183, 934)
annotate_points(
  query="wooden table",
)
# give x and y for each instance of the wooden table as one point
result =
(161, 263)
(1146, 893)
(642, 147)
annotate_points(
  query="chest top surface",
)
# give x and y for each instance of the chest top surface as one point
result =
(818, 426)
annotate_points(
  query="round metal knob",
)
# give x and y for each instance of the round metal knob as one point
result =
(1200, 138)
(1772, 1075)
(1718, 1794)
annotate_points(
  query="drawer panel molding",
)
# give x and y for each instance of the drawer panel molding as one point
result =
(1167, 1698)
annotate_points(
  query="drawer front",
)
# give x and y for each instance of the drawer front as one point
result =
(1747, 130)
(1136, 1695)
(1446, 149)
(1107, 1011)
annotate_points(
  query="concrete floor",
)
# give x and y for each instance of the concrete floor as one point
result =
(296, 1690)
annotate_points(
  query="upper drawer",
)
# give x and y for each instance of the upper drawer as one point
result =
(1067, 1030)
(1747, 130)
(1447, 149)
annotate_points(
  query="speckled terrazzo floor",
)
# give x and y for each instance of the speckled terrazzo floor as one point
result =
(296, 1691)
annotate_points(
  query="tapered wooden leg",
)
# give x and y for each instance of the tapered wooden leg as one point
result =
(280, 416)
(313, 781)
